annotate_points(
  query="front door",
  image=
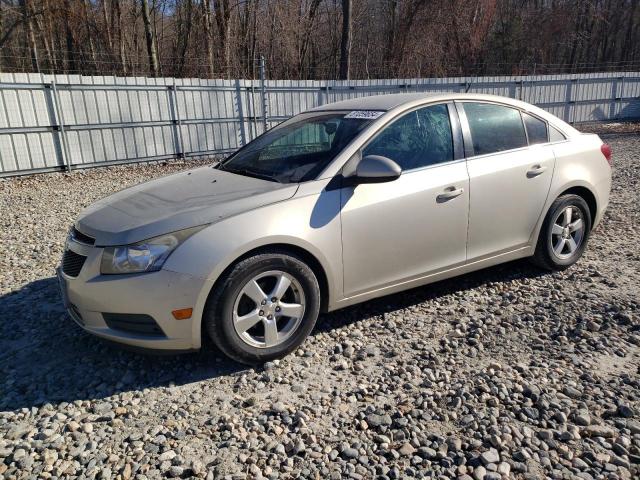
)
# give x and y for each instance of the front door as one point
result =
(412, 226)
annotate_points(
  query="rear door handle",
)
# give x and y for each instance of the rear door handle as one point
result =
(535, 171)
(449, 193)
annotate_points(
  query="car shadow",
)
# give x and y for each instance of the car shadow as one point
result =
(46, 358)
(505, 272)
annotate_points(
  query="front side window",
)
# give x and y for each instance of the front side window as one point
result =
(536, 129)
(296, 150)
(417, 139)
(494, 128)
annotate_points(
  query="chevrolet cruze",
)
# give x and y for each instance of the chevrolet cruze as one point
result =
(335, 206)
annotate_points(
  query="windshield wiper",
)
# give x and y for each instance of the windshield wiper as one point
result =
(250, 173)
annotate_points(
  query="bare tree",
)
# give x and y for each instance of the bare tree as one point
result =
(88, 18)
(319, 38)
(150, 38)
(223, 13)
(117, 14)
(70, 44)
(30, 35)
(206, 29)
(345, 41)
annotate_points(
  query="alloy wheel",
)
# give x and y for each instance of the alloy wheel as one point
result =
(567, 232)
(268, 309)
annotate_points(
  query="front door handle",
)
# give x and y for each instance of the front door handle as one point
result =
(449, 193)
(536, 170)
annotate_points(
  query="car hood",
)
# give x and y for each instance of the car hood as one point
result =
(182, 200)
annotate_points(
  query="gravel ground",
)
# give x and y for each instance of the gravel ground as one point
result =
(507, 372)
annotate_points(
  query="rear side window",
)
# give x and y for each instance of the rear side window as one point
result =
(536, 129)
(417, 139)
(494, 128)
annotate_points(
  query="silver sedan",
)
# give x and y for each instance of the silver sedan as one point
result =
(335, 206)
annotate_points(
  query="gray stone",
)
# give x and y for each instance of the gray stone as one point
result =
(406, 450)
(598, 431)
(490, 456)
(375, 420)
(349, 452)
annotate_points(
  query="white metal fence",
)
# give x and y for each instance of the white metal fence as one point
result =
(54, 122)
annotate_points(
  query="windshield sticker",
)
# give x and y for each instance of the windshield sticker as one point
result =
(364, 114)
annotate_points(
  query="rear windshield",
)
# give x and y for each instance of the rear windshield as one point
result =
(299, 149)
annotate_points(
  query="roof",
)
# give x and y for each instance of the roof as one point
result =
(387, 102)
(378, 102)
(390, 101)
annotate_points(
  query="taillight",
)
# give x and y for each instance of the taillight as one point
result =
(606, 151)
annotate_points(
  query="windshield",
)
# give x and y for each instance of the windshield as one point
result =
(297, 150)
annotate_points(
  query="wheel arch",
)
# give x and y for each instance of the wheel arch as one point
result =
(279, 247)
(582, 190)
(588, 197)
(304, 254)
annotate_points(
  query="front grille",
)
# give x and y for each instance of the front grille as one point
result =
(133, 323)
(81, 237)
(72, 263)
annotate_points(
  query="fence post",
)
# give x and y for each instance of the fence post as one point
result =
(175, 119)
(521, 92)
(243, 136)
(263, 94)
(59, 117)
(320, 94)
(618, 99)
(573, 100)
(566, 116)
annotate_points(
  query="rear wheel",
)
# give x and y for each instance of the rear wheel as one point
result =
(564, 233)
(263, 308)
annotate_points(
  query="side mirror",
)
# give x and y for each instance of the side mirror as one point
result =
(376, 169)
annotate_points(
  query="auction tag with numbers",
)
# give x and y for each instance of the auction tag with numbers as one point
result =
(364, 114)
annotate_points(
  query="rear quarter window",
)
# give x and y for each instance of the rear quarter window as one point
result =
(555, 135)
(494, 128)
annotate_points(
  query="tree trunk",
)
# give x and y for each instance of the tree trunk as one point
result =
(1, 30)
(71, 58)
(107, 25)
(92, 48)
(30, 36)
(206, 22)
(345, 42)
(306, 34)
(117, 9)
(625, 51)
(185, 28)
(150, 38)
(49, 33)
(45, 41)
(392, 6)
(223, 13)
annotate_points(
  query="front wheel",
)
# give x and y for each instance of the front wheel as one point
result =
(263, 308)
(564, 233)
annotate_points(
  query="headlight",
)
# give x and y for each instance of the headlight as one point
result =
(146, 256)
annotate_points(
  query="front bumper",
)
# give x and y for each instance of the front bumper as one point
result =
(154, 295)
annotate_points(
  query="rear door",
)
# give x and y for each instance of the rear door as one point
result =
(510, 169)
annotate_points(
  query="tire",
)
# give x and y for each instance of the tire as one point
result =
(233, 305)
(551, 253)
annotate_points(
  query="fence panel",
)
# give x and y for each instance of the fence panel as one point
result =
(54, 122)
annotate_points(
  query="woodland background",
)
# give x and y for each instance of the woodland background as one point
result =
(318, 39)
